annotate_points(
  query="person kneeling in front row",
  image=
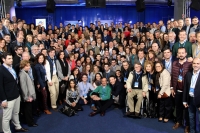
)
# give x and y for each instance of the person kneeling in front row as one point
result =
(102, 98)
(137, 85)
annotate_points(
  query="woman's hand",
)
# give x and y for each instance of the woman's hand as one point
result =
(159, 96)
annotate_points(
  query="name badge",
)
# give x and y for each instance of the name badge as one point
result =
(136, 84)
(180, 78)
(191, 92)
(151, 81)
(125, 79)
(149, 86)
(85, 96)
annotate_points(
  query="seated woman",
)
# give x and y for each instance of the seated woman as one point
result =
(163, 79)
(102, 98)
(28, 92)
(72, 96)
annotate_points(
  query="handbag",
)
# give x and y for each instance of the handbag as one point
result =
(68, 111)
(164, 95)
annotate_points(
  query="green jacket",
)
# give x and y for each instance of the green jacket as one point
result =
(104, 93)
(187, 45)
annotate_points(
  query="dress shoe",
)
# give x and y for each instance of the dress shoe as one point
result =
(177, 125)
(165, 120)
(93, 108)
(92, 114)
(160, 119)
(47, 112)
(21, 130)
(187, 129)
(129, 113)
(55, 109)
(102, 113)
(33, 125)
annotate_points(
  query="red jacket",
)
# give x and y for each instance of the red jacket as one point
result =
(175, 72)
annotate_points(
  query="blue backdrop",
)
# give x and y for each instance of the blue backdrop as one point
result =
(88, 15)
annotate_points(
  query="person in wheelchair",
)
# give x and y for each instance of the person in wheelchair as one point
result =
(117, 93)
(137, 85)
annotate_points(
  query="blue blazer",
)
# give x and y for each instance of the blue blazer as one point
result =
(40, 70)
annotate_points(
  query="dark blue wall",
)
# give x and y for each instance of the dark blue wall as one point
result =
(116, 13)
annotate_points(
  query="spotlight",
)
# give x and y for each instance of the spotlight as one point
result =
(79, 21)
(19, 3)
(130, 22)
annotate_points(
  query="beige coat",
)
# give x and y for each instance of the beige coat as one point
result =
(164, 80)
(130, 80)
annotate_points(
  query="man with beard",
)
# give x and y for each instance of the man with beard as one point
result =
(179, 69)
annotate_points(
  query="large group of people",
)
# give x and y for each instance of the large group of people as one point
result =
(100, 65)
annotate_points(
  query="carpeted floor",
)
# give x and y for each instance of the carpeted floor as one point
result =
(112, 122)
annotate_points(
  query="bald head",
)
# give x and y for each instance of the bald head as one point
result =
(26, 56)
(196, 64)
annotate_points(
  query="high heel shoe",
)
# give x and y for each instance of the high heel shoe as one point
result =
(47, 112)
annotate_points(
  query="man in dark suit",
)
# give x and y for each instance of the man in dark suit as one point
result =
(106, 38)
(142, 28)
(187, 26)
(20, 28)
(9, 95)
(74, 29)
(27, 31)
(18, 55)
(168, 59)
(5, 26)
(191, 94)
(117, 91)
(1, 31)
(18, 42)
(107, 72)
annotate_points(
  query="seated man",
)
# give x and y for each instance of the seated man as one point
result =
(101, 96)
(137, 85)
(118, 94)
(84, 91)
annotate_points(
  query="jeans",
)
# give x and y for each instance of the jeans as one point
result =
(193, 110)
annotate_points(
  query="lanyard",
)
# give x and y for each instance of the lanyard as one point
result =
(84, 88)
(167, 66)
(179, 45)
(197, 52)
(137, 76)
(149, 77)
(194, 80)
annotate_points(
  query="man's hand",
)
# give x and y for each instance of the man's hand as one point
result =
(190, 59)
(85, 101)
(173, 93)
(129, 90)
(97, 98)
(4, 104)
(186, 105)
(66, 78)
(144, 94)
(50, 83)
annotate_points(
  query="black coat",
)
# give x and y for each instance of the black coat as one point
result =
(9, 89)
(186, 89)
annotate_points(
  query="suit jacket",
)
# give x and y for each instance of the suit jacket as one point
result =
(186, 89)
(117, 67)
(6, 30)
(16, 60)
(28, 32)
(185, 28)
(41, 73)
(109, 74)
(107, 38)
(142, 29)
(27, 86)
(164, 81)
(96, 49)
(75, 31)
(117, 88)
(13, 45)
(9, 89)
